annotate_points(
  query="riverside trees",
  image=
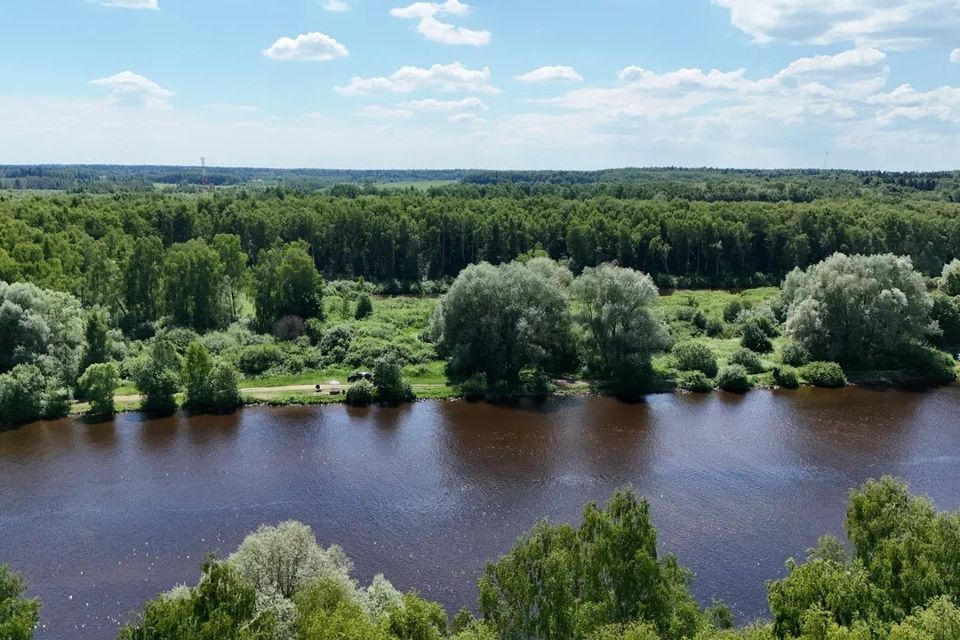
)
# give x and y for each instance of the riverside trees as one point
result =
(857, 309)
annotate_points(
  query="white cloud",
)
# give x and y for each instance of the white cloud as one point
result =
(857, 58)
(385, 113)
(551, 74)
(445, 78)
(132, 4)
(307, 47)
(955, 56)
(443, 32)
(421, 10)
(128, 87)
(449, 106)
(892, 24)
(336, 5)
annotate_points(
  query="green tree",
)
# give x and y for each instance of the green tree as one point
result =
(96, 331)
(558, 582)
(197, 378)
(852, 309)
(18, 615)
(950, 279)
(156, 375)
(364, 306)
(99, 383)
(287, 283)
(388, 378)
(695, 356)
(22, 395)
(195, 286)
(500, 320)
(620, 331)
(224, 391)
(234, 261)
(143, 281)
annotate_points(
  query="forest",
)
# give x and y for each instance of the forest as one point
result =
(473, 289)
(895, 577)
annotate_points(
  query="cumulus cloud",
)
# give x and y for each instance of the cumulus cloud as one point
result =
(551, 74)
(444, 78)
(336, 5)
(443, 32)
(132, 4)
(312, 46)
(432, 104)
(128, 87)
(955, 56)
(385, 113)
(893, 24)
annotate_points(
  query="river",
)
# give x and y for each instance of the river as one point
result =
(100, 518)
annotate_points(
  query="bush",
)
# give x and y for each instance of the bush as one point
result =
(754, 337)
(361, 393)
(732, 309)
(828, 375)
(936, 366)
(715, 327)
(224, 393)
(747, 359)
(695, 356)
(946, 311)
(257, 358)
(336, 343)
(786, 377)
(388, 378)
(695, 381)
(475, 387)
(157, 376)
(794, 355)
(289, 328)
(99, 383)
(364, 307)
(21, 395)
(733, 377)
(950, 279)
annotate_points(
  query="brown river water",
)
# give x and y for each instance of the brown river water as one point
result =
(100, 518)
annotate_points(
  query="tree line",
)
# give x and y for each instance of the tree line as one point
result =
(895, 578)
(402, 239)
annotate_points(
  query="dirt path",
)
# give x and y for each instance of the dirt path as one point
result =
(265, 393)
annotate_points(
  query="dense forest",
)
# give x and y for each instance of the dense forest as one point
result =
(402, 239)
(605, 579)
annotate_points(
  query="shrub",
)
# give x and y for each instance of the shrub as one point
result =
(364, 307)
(699, 320)
(950, 279)
(257, 358)
(224, 394)
(695, 381)
(289, 328)
(715, 327)
(197, 367)
(794, 355)
(754, 337)
(733, 377)
(732, 309)
(157, 376)
(695, 356)
(475, 387)
(936, 366)
(21, 395)
(828, 375)
(361, 393)
(946, 311)
(786, 377)
(99, 383)
(747, 359)
(388, 378)
(336, 343)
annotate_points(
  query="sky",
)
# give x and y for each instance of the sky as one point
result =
(498, 84)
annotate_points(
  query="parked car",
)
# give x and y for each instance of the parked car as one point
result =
(360, 375)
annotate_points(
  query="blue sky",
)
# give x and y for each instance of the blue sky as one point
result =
(485, 83)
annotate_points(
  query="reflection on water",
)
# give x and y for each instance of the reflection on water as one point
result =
(101, 517)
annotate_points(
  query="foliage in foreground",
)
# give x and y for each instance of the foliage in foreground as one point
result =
(605, 579)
